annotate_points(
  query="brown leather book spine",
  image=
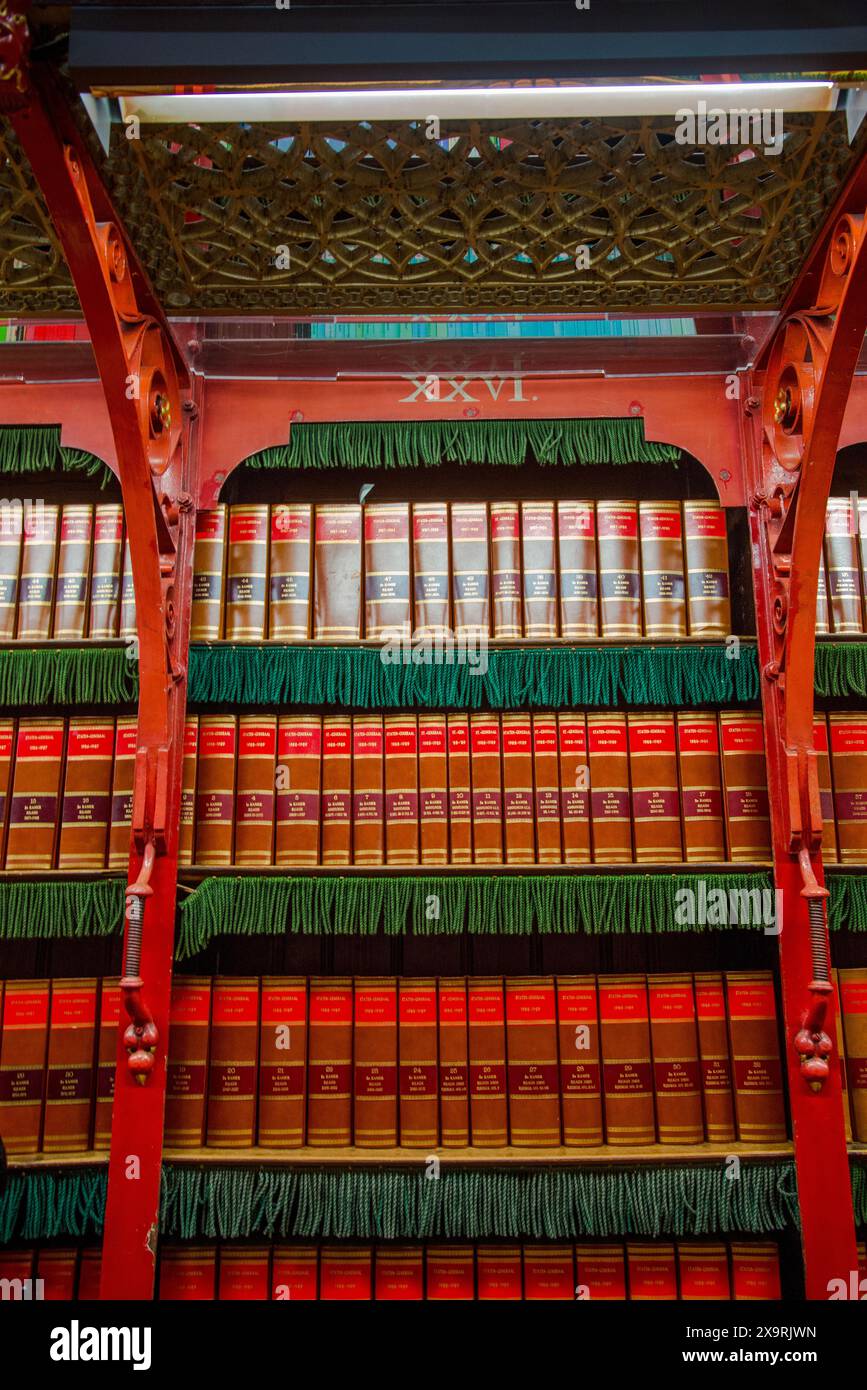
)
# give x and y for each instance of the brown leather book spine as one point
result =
(127, 595)
(756, 1271)
(701, 798)
(106, 1061)
(823, 609)
(576, 547)
(661, 534)
(430, 567)
(506, 569)
(89, 1274)
(295, 1273)
(714, 1057)
(387, 603)
(580, 1071)
(215, 789)
(706, 550)
(703, 1271)
(188, 1274)
(755, 1050)
(518, 816)
(23, 1050)
(652, 1270)
(233, 1063)
(122, 777)
(337, 573)
(38, 572)
(619, 569)
(839, 1038)
(336, 805)
(368, 797)
(187, 1065)
(600, 1271)
(546, 789)
(655, 792)
(11, 534)
(209, 576)
(433, 793)
(399, 1273)
(282, 1063)
(487, 795)
(329, 1063)
(187, 827)
(345, 1273)
(531, 1048)
(470, 568)
(610, 805)
(454, 1092)
(486, 1020)
(56, 1269)
(86, 794)
(460, 793)
(73, 572)
(375, 1063)
(843, 566)
(417, 1050)
(70, 1067)
(627, 1073)
(35, 803)
(105, 570)
(676, 1070)
(574, 787)
(254, 797)
(400, 733)
(822, 747)
(244, 1274)
(848, 737)
(853, 1001)
(291, 567)
(745, 779)
(7, 749)
(247, 573)
(549, 1273)
(450, 1271)
(499, 1273)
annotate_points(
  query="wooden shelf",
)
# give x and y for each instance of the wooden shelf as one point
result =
(197, 872)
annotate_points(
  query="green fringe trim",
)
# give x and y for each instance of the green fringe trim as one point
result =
(847, 905)
(515, 678)
(37, 449)
(86, 675)
(859, 1190)
(841, 668)
(39, 1204)
(44, 909)
(552, 904)
(428, 443)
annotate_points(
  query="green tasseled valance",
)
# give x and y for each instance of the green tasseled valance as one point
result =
(45, 909)
(89, 674)
(841, 668)
(37, 449)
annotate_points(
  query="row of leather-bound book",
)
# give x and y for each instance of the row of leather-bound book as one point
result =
(457, 1271)
(535, 1062)
(405, 789)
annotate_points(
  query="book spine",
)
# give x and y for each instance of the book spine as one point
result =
(7, 749)
(400, 734)
(244, 1274)
(35, 800)
(345, 1273)
(546, 789)
(187, 826)
(755, 1051)
(433, 793)
(714, 1057)
(282, 1063)
(823, 610)
(188, 1274)
(470, 568)
(652, 1271)
(505, 569)
(105, 574)
(518, 817)
(848, 736)
(608, 756)
(56, 1269)
(745, 779)
(701, 799)
(295, 1273)
(375, 1064)
(756, 1271)
(106, 1062)
(86, 794)
(187, 1065)
(329, 1063)
(627, 1075)
(499, 1273)
(839, 1038)
(23, 1048)
(337, 573)
(531, 1048)
(655, 793)
(487, 1063)
(703, 1271)
(336, 790)
(460, 793)
(399, 1273)
(290, 566)
(299, 778)
(127, 595)
(661, 536)
(822, 748)
(247, 574)
(454, 1094)
(853, 1001)
(676, 1071)
(549, 1273)
(430, 566)
(89, 1274)
(387, 605)
(209, 569)
(619, 572)
(707, 569)
(574, 788)
(843, 566)
(73, 572)
(580, 1072)
(233, 1063)
(69, 1079)
(600, 1271)
(861, 522)
(368, 781)
(417, 1050)
(11, 532)
(450, 1272)
(38, 573)
(576, 546)
(487, 793)
(254, 797)
(215, 789)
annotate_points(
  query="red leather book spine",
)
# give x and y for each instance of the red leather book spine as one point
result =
(853, 1001)
(329, 1064)
(676, 1071)
(247, 574)
(23, 1049)
(655, 792)
(417, 1050)
(451, 1273)
(399, 1273)
(215, 789)
(531, 1048)
(35, 802)
(755, 1050)
(707, 569)
(187, 1066)
(487, 795)
(518, 816)
(57, 1270)
(233, 1064)
(716, 1067)
(433, 779)
(549, 1273)
(73, 573)
(652, 1270)
(387, 604)
(600, 1271)
(187, 828)
(460, 796)
(826, 788)
(499, 1273)
(576, 545)
(368, 778)
(619, 569)
(123, 772)
(506, 569)
(86, 794)
(254, 798)
(282, 1063)
(609, 788)
(89, 1272)
(295, 1273)
(627, 1074)
(546, 789)
(18, 1264)
(105, 576)
(430, 564)
(703, 1272)
(209, 569)
(843, 566)
(298, 780)
(470, 568)
(106, 1062)
(841, 1053)
(756, 1271)
(69, 1080)
(580, 1071)
(188, 1274)
(345, 1273)
(487, 1059)
(7, 747)
(539, 556)
(244, 1274)
(701, 799)
(745, 778)
(290, 566)
(574, 788)
(848, 735)
(337, 573)
(375, 1064)
(38, 574)
(454, 1094)
(662, 582)
(400, 733)
(336, 832)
